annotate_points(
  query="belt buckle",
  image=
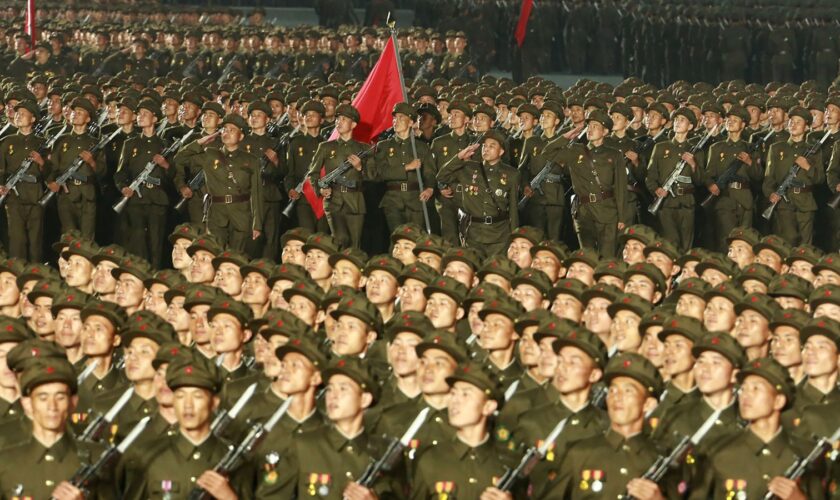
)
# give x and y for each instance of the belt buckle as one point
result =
(77, 182)
(488, 219)
(797, 190)
(680, 191)
(342, 189)
(403, 186)
(149, 185)
(735, 185)
(228, 199)
(593, 198)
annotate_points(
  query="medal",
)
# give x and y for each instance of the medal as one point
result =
(597, 485)
(498, 192)
(584, 483)
(11, 149)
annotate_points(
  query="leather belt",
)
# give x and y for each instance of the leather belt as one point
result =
(230, 198)
(345, 189)
(736, 185)
(803, 189)
(402, 186)
(595, 198)
(486, 219)
(679, 191)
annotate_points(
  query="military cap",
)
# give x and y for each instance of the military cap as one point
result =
(722, 343)
(430, 109)
(808, 253)
(81, 247)
(772, 371)
(794, 318)
(83, 103)
(600, 116)
(687, 113)
(583, 339)
(29, 106)
(567, 286)
(336, 293)
(560, 250)
(610, 267)
(305, 345)
(755, 100)
(629, 302)
(215, 107)
(14, 330)
(727, 290)
(692, 286)
(495, 135)
(32, 350)
(635, 366)
(504, 305)
(356, 369)
(533, 318)
(533, 277)
(150, 105)
(185, 231)
(430, 243)
(833, 100)
(712, 107)
(313, 105)
(404, 108)
(746, 234)
(69, 299)
(801, 113)
(530, 109)
(128, 102)
(664, 247)
(588, 256)
(148, 325)
(755, 271)
(283, 322)
(760, 303)
(499, 265)
(530, 233)
(659, 108)
(347, 111)
(824, 326)
(468, 256)
(640, 232)
(199, 295)
(47, 370)
(168, 352)
(46, 288)
(444, 341)
(693, 255)
(259, 105)
(717, 263)
(600, 290)
(740, 112)
(825, 294)
(12, 266)
(482, 293)
(226, 305)
(623, 109)
(790, 285)
(235, 120)
(295, 234)
(408, 231)
(108, 310)
(554, 106)
(829, 262)
(690, 328)
(236, 258)
(135, 266)
(110, 253)
(262, 266)
(462, 107)
(417, 271)
(649, 270)
(408, 321)
(306, 288)
(193, 370)
(354, 255)
(447, 286)
(321, 241)
(361, 308)
(473, 374)
(206, 242)
(636, 101)
(384, 262)
(487, 110)
(66, 239)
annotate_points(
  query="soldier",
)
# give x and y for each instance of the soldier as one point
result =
(397, 167)
(443, 148)
(14, 332)
(227, 320)
(489, 209)
(77, 201)
(344, 202)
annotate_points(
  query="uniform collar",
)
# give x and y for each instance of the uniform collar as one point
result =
(56, 452)
(339, 441)
(482, 452)
(187, 448)
(633, 444)
(775, 447)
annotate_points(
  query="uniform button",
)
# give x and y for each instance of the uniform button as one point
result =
(438, 419)
(48, 458)
(349, 474)
(472, 457)
(145, 410)
(623, 471)
(196, 455)
(434, 442)
(624, 447)
(350, 449)
(765, 477)
(473, 480)
(575, 421)
(12, 412)
(765, 452)
(49, 482)
(98, 387)
(192, 479)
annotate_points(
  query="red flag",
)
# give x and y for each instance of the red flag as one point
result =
(522, 24)
(377, 97)
(30, 21)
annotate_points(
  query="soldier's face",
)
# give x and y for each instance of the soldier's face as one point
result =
(55, 105)
(257, 119)
(491, 151)
(468, 405)
(228, 334)
(474, 320)
(575, 370)
(529, 349)
(582, 272)
(431, 259)
(351, 336)
(8, 380)
(652, 348)
(633, 252)
(68, 328)
(129, 291)
(713, 373)
(401, 354)
(435, 365)
(255, 289)
(624, 331)
(345, 399)
(79, 117)
(619, 122)
(519, 251)
(312, 119)
(26, 307)
(827, 310)
(741, 253)
(595, 131)
(401, 123)
(691, 305)
(643, 286)
(615, 281)
(403, 251)
(180, 258)
(777, 116)
(797, 126)
(228, 279)
(832, 115)
(770, 259)
(457, 119)
(803, 269)
(231, 135)
(734, 124)
(442, 310)
(23, 118)
(713, 277)
(681, 124)
(719, 315)
(194, 407)
(625, 401)
(595, 316)
(79, 271)
(344, 125)
(568, 307)
(481, 122)
(155, 301)
(9, 291)
(498, 332)
(176, 315)
(145, 118)
(826, 277)
(304, 309)
(49, 405)
(138, 360)
(529, 296)
(547, 363)
(548, 263)
(460, 271)
(317, 264)
(527, 121)
(785, 346)
(677, 355)
(42, 321)
(819, 357)
(297, 374)
(817, 118)
(411, 295)
(346, 273)
(163, 394)
(758, 398)
(201, 270)
(275, 297)
(381, 287)
(98, 336)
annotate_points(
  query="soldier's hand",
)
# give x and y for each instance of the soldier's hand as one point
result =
(632, 156)
(661, 193)
(207, 138)
(37, 158)
(161, 162)
(620, 226)
(689, 158)
(745, 158)
(412, 165)
(355, 491)
(775, 198)
(217, 485)
(492, 493)
(255, 234)
(88, 158)
(644, 489)
(803, 163)
(426, 195)
(186, 192)
(4, 190)
(448, 193)
(293, 194)
(785, 489)
(66, 491)
(571, 134)
(127, 192)
(837, 188)
(468, 151)
(326, 192)
(714, 189)
(272, 156)
(356, 162)
(53, 186)
(528, 192)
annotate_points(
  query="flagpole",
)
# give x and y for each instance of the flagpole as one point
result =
(392, 29)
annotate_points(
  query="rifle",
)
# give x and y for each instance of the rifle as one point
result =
(87, 371)
(662, 463)
(791, 181)
(532, 458)
(676, 174)
(100, 423)
(647, 142)
(233, 457)
(225, 417)
(73, 171)
(281, 143)
(798, 467)
(21, 176)
(228, 68)
(337, 175)
(723, 180)
(94, 128)
(273, 125)
(86, 472)
(196, 182)
(538, 180)
(146, 175)
(393, 452)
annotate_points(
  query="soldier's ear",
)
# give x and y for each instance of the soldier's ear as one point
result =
(595, 375)
(320, 316)
(367, 400)
(657, 296)
(545, 303)
(733, 378)
(490, 407)
(216, 401)
(650, 404)
(316, 379)
(26, 403)
(459, 313)
(362, 282)
(779, 402)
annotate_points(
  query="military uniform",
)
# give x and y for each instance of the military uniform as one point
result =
(299, 156)
(271, 176)
(25, 216)
(187, 167)
(444, 148)
(547, 207)
(401, 202)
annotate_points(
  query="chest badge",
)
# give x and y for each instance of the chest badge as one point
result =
(133, 152)
(11, 149)
(390, 152)
(248, 148)
(597, 480)
(64, 147)
(332, 153)
(667, 154)
(300, 151)
(445, 151)
(216, 164)
(444, 489)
